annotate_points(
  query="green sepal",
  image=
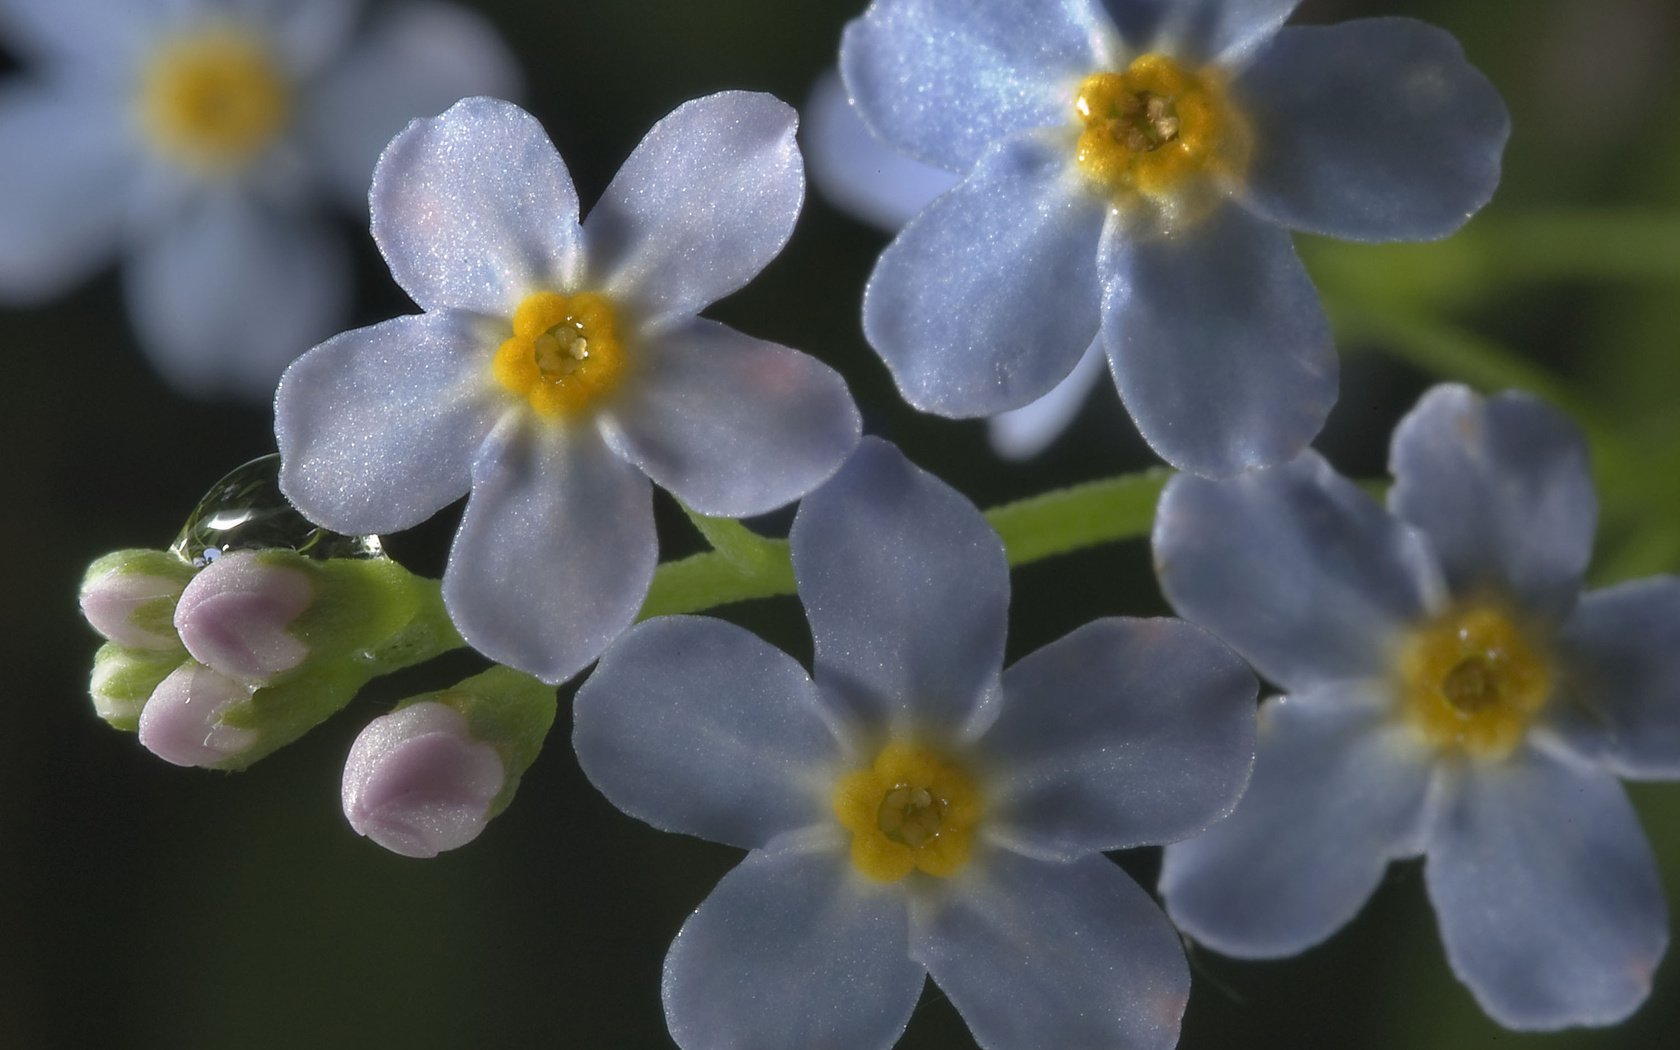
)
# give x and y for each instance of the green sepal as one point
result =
(507, 709)
(285, 710)
(124, 679)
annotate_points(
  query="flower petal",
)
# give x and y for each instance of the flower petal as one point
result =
(305, 33)
(732, 425)
(1339, 790)
(986, 300)
(792, 950)
(378, 427)
(940, 80)
(95, 37)
(695, 725)
(413, 60)
(1547, 893)
(1224, 32)
(1621, 651)
(906, 589)
(1055, 955)
(64, 190)
(1503, 489)
(1022, 433)
(475, 209)
(228, 292)
(1124, 733)
(704, 203)
(857, 172)
(1371, 130)
(1218, 344)
(1295, 568)
(555, 551)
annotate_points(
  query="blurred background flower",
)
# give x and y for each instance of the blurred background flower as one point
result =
(143, 905)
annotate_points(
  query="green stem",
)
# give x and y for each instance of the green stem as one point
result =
(1032, 529)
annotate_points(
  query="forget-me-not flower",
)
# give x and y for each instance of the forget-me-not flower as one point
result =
(194, 138)
(912, 809)
(1133, 169)
(869, 180)
(1450, 693)
(560, 365)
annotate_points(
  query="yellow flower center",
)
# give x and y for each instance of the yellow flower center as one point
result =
(564, 354)
(1472, 680)
(1154, 127)
(214, 99)
(911, 810)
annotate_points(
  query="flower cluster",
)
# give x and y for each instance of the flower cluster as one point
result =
(1075, 182)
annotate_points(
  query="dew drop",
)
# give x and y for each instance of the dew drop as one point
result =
(245, 511)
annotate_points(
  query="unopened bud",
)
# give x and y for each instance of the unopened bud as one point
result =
(430, 775)
(184, 721)
(124, 679)
(129, 597)
(236, 614)
(418, 783)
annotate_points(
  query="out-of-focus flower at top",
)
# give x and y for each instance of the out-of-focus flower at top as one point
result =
(1131, 172)
(196, 139)
(559, 366)
(912, 808)
(1450, 693)
(871, 181)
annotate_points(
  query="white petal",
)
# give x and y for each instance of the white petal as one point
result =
(732, 425)
(64, 189)
(792, 950)
(704, 203)
(228, 292)
(906, 589)
(941, 80)
(1295, 568)
(1123, 733)
(988, 298)
(1218, 343)
(305, 33)
(857, 172)
(1503, 488)
(555, 551)
(1022, 433)
(1547, 893)
(1339, 790)
(1042, 956)
(378, 427)
(474, 209)
(695, 725)
(1620, 651)
(1227, 32)
(1375, 129)
(413, 60)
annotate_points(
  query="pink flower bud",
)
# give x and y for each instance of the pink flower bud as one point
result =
(182, 722)
(112, 599)
(235, 614)
(418, 783)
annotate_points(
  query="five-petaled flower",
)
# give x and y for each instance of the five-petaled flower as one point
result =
(1451, 693)
(1132, 170)
(558, 366)
(195, 137)
(912, 808)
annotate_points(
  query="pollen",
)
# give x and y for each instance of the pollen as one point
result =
(1472, 680)
(910, 810)
(214, 99)
(564, 355)
(1153, 129)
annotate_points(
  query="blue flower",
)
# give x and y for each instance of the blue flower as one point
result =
(870, 181)
(560, 365)
(1450, 693)
(1132, 171)
(194, 139)
(912, 808)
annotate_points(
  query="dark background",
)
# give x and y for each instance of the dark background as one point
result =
(147, 906)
